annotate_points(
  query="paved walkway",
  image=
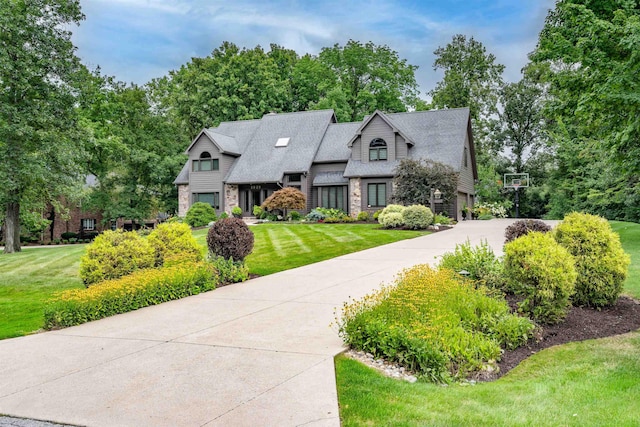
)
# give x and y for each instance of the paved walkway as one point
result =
(257, 353)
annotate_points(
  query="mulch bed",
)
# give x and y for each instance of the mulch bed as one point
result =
(581, 324)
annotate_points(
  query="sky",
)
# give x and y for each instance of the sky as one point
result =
(138, 40)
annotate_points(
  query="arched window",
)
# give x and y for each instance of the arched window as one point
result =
(377, 150)
(205, 163)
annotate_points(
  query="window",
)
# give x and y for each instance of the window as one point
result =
(466, 155)
(332, 197)
(212, 198)
(377, 150)
(205, 163)
(297, 177)
(282, 142)
(88, 224)
(377, 195)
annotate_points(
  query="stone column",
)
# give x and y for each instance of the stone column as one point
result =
(355, 196)
(183, 200)
(231, 197)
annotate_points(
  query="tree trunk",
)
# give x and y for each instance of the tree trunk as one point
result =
(12, 228)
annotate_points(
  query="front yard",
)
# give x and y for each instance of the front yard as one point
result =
(590, 383)
(34, 275)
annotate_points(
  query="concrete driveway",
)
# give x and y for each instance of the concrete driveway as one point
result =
(256, 353)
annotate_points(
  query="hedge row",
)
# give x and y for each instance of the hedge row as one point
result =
(137, 290)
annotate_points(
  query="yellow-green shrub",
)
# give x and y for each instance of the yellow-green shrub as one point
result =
(544, 272)
(115, 254)
(417, 217)
(128, 293)
(600, 260)
(433, 323)
(174, 243)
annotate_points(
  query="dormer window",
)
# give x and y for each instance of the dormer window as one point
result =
(377, 150)
(205, 163)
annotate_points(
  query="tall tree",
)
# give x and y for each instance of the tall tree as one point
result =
(39, 142)
(588, 57)
(371, 77)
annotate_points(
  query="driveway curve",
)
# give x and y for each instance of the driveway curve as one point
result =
(256, 353)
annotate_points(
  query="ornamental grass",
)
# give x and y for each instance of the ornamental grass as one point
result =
(433, 323)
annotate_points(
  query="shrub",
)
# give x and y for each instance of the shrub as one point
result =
(315, 215)
(442, 219)
(417, 217)
(229, 271)
(137, 290)
(69, 235)
(391, 220)
(434, 324)
(236, 212)
(479, 261)
(600, 260)
(389, 210)
(257, 211)
(200, 214)
(286, 198)
(295, 216)
(223, 215)
(544, 273)
(524, 226)
(115, 254)
(363, 216)
(376, 214)
(230, 238)
(173, 242)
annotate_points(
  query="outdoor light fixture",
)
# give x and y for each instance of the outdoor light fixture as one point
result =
(437, 194)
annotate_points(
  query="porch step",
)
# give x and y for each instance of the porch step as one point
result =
(250, 220)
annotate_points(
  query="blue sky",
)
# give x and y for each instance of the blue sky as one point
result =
(137, 40)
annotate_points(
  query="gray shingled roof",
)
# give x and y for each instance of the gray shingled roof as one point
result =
(242, 131)
(438, 135)
(356, 168)
(262, 161)
(226, 144)
(183, 176)
(330, 178)
(334, 146)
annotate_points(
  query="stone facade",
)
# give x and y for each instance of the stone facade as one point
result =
(355, 196)
(183, 200)
(231, 197)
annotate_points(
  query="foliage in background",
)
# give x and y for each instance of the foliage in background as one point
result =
(433, 323)
(41, 149)
(414, 179)
(174, 243)
(200, 214)
(544, 273)
(600, 260)
(115, 254)
(230, 238)
(524, 226)
(128, 293)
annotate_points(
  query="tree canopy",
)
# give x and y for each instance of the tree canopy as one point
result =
(40, 141)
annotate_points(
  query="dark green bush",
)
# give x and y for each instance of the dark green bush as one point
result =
(417, 217)
(69, 235)
(230, 238)
(174, 243)
(295, 216)
(115, 254)
(479, 262)
(376, 214)
(236, 212)
(600, 260)
(128, 293)
(524, 226)
(544, 273)
(200, 214)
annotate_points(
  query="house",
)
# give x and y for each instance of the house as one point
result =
(349, 166)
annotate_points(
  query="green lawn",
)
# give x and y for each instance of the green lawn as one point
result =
(592, 383)
(31, 277)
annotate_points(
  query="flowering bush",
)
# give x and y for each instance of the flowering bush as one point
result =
(433, 323)
(494, 209)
